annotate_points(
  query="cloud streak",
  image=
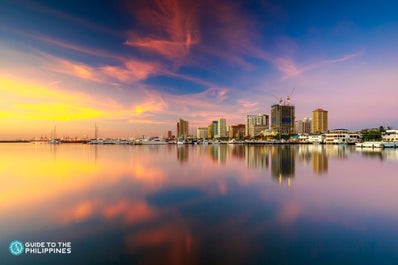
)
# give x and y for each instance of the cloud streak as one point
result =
(174, 20)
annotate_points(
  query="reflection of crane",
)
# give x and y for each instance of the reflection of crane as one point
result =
(280, 100)
(290, 96)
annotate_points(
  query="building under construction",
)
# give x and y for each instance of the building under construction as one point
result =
(282, 119)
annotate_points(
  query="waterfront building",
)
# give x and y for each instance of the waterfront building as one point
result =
(201, 132)
(169, 134)
(342, 136)
(316, 138)
(255, 124)
(222, 128)
(214, 131)
(210, 131)
(319, 121)
(282, 119)
(237, 131)
(182, 128)
(303, 126)
(390, 136)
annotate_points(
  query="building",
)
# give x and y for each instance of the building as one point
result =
(210, 131)
(182, 129)
(319, 121)
(169, 134)
(256, 124)
(282, 117)
(237, 131)
(303, 126)
(214, 129)
(201, 132)
(222, 128)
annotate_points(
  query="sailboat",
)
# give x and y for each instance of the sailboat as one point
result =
(53, 139)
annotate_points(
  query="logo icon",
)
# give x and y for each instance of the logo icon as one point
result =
(16, 248)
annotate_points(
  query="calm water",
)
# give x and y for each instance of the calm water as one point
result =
(200, 204)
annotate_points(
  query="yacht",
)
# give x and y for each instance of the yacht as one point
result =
(154, 141)
(181, 141)
(54, 141)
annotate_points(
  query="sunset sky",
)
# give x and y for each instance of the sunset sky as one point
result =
(136, 67)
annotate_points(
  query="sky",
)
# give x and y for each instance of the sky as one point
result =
(135, 67)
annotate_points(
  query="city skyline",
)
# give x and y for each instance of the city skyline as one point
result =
(136, 68)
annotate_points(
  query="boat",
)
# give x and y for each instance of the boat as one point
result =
(154, 141)
(181, 141)
(369, 145)
(54, 141)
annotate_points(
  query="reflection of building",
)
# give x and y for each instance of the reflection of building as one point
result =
(201, 133)
(303, 126)
(319, 121)
(282, 161)
(182, 129)
(218, 153)
(320, 161)
(256, 124)
(238, 150)
(257, 157)
(222, 128)
(237, 131)
(282, 117)
(182, 153)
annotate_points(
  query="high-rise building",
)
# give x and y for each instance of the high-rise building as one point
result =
(282, 117)
(222, 128)
(319, 121)
(237, 131)
(214, 129)
(255, 124)
(201, 132)
(303, 126)
(169, 134)
(182, 129)
(210, 131)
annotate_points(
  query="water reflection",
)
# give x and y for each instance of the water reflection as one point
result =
(182, 153)
(216, 204)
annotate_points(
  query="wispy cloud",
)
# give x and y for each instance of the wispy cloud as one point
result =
(290, 69)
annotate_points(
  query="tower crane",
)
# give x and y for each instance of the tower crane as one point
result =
(290, 96)
(280, 100)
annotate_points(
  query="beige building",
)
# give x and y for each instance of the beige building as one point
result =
(319, 121)
(182, 129)
(303, 126)
(201, 133)
(222, 128)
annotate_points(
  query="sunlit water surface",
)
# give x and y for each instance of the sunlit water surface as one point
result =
(220, 204)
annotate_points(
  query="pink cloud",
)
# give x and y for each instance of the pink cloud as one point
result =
(175, 21)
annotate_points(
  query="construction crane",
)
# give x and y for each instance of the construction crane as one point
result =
(280, 100)
(290, 96)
